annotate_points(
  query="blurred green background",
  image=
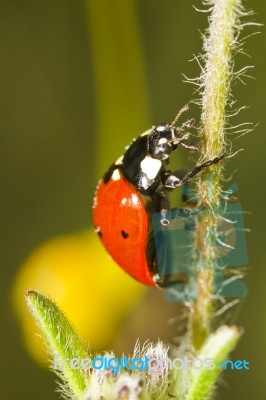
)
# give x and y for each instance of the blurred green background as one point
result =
(57, 68)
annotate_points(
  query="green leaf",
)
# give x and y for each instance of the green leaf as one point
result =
(62, 340)
(217, 347)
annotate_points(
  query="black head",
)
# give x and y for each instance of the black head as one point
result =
(163, 140)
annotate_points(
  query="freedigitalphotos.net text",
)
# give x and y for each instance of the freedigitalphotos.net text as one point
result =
(150, 364)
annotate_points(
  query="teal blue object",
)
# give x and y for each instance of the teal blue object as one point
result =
(175, 249)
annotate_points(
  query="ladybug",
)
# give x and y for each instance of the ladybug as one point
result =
(135, 187)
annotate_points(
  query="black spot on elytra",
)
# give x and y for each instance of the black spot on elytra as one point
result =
(99, 232)
(124, 234)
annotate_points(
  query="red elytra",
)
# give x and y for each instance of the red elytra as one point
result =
(122, 223)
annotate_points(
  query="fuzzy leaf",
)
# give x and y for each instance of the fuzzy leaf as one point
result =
(217, 347)
(61, 339)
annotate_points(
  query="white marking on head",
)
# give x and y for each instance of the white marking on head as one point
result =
(162, 140)
(150, 166)
(116, 175)
(160, 128)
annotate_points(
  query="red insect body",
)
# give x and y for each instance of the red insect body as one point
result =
(122, 223)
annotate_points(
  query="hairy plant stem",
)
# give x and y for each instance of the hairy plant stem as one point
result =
(215, 83)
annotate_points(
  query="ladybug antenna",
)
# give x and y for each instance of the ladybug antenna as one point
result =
(180, 112)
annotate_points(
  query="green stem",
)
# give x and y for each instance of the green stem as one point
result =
(215, 82)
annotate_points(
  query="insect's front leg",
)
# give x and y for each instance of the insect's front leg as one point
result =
(171, 180)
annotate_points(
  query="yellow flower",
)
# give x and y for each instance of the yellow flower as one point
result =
(92, 290)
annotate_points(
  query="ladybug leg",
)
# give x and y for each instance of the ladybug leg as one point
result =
(189, 146)
(199, 167)
(184, 136)
(163, 205)
(186, 193)
(188, 124)
(173, 179)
